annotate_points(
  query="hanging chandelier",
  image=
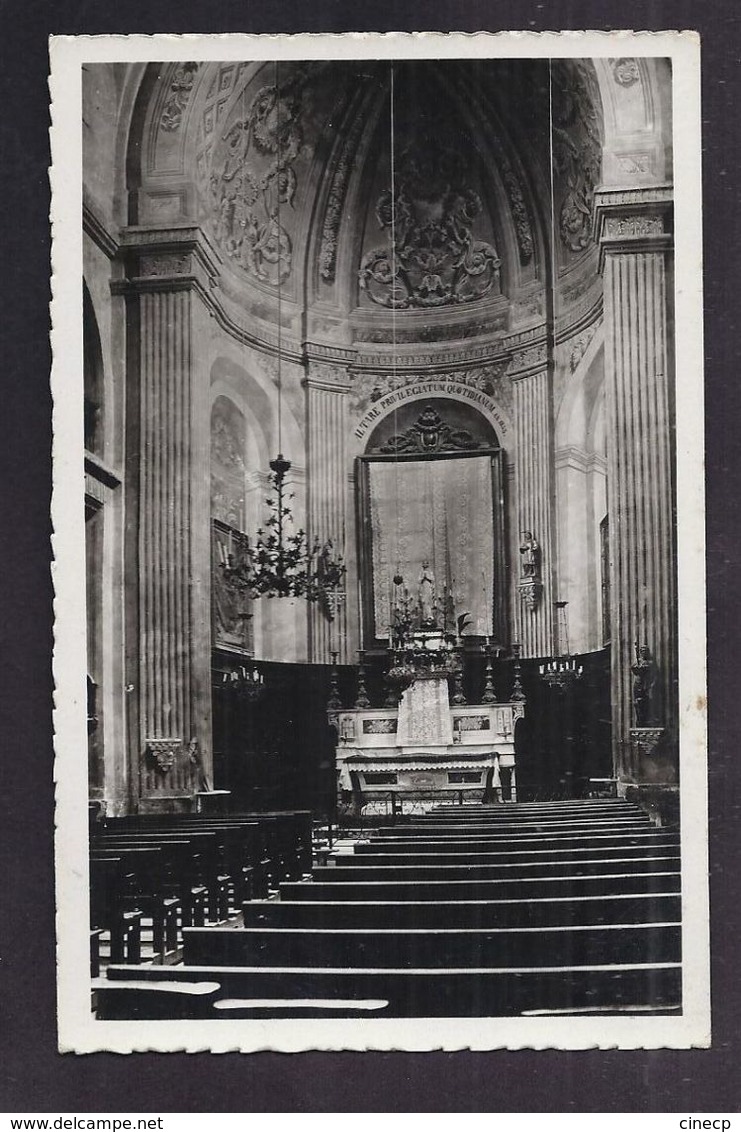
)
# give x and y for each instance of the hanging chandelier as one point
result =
(562, 671)
(280, 561)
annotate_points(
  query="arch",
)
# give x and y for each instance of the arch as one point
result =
(462, 428)
(256, 395)
(581, 492)
(93, 377)
(496, 418)
(582, 389)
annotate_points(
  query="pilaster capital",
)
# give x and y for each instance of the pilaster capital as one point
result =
(525, 363)
(328, 367)
(633, 220)
(177, 257)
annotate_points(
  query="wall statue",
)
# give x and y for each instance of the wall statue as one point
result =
(530, 552)
(531, 585)
(644, 680)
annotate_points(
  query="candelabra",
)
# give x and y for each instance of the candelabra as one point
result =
(518, 692)
(334, 703)
(246, 681)
(489, 695)
(362, 700)
(458, 696)
(562, 671)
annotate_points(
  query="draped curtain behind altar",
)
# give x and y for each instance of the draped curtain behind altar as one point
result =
(438, 511)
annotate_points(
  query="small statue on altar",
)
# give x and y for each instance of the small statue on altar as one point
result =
(644, 679)
(426, 595)
(530, 553)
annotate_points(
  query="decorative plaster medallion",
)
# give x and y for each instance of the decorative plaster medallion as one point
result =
(625, 72)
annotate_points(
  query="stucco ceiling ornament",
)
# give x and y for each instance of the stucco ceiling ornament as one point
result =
(432, 258)
(519, 209)
(626, 72)
(430, 433)
(577, 150)
(252, 175)
(178, 96)
(336, 200)
(580, 345)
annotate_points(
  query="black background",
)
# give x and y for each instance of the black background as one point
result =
(34, 1076)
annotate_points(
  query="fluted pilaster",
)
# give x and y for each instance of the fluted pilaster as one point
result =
(531, 393)
(327, 492)
(170, 636)
(636, 244)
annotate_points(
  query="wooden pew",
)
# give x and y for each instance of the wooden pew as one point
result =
(95, 934)
(484, 992)
(536, 841)
(498, 857)
(138, 999)
(541, 822)
(530, 888)
(113, 900)
(506, 849)
(646, 907)
(221, 850)
(165, 868)
(526, 829)
(288, 837)
(573, 945)
(512, 872)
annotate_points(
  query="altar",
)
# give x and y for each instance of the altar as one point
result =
(427, 747)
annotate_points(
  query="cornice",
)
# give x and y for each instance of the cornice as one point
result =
(633, 220)
(94, 227)
(172, 239)
(572, 457)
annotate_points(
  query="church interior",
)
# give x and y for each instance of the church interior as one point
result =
(380, 538)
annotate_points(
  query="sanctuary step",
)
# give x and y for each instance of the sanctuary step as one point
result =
(559, 907)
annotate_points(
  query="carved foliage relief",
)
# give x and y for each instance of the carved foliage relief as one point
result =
(253, 182)
(577, 150)
(430, 257)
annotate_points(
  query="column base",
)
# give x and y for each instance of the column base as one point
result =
(661, 803)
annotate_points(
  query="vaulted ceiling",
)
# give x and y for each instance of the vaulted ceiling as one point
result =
(434, 199)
